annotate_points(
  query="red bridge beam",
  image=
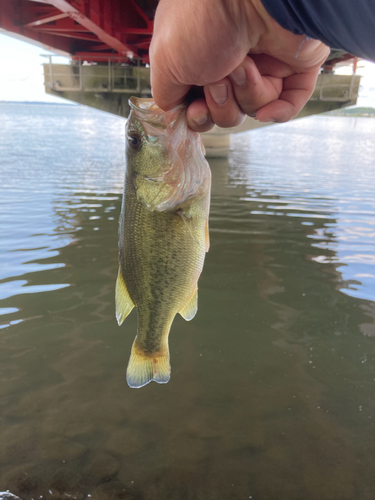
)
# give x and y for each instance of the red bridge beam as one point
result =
(80, 26)
(12, 13)
(93, 27)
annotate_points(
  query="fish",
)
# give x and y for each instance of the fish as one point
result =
(163, 232)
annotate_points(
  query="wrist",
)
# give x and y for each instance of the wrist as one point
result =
(247, 16)
(298, 51)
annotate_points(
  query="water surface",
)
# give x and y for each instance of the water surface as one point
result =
(272, 388)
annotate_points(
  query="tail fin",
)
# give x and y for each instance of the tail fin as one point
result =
(144, 367)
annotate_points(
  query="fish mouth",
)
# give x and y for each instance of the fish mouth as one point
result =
(151, 117)
(144, 105)
(147, 105)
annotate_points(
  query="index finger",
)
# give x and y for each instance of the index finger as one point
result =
(297, 90)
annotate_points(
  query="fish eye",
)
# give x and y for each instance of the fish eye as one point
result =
(135, 141)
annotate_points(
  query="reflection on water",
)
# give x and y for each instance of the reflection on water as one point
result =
(272, 388)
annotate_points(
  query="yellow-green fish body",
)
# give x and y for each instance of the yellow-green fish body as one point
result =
(163, 232)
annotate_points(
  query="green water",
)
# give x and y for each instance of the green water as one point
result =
(272, 393)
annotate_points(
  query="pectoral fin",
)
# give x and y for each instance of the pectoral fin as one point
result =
(191, 307)
(187, 222)
(124, 303)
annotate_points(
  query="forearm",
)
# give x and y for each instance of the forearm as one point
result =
(343, 24)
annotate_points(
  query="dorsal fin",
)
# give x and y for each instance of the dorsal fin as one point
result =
(207, 237)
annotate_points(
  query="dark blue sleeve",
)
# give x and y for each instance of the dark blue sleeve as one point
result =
(340, 24)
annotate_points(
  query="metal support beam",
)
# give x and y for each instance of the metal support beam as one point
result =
(80, 18)
(46, 19)
(83, 26)
(12, 22)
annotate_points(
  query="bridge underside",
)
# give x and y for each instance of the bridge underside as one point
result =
(77, 28)
(107, 43)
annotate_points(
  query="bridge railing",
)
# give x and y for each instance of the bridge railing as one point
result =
(111, 74)
(336, 88)
(114, 74)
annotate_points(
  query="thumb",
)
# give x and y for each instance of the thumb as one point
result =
(166, 90)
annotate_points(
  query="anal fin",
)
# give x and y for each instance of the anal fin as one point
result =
(124, 303)
(191, 307)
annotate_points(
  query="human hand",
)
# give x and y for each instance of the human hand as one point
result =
(245, 61)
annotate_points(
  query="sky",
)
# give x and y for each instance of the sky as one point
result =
(21, 73)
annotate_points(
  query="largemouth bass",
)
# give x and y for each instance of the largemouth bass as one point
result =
(163, 233)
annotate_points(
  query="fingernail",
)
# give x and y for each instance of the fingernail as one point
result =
(238, 76)
(201, 120)
(219, 93)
